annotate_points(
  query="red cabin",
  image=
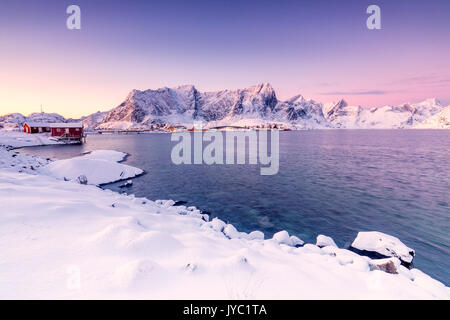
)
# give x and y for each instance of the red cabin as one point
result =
(67, 130)
(35, 127)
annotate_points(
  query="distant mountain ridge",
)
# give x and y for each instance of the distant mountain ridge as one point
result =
(253, 106)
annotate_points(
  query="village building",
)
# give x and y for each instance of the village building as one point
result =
(67, 130)
(36, 127)
(61, 131)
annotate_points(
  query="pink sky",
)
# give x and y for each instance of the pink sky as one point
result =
(324, 55)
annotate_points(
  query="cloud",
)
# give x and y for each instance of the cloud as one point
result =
(432, 79)
(354, 93)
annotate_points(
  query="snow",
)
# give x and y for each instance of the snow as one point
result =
(407, 115)
(283, 237)
(16, 162)
(17, 139)
(106, 155)
(440, 120)
(383, 244)
(99, 167)
(70, 241)
(66, 125)
(323, 241)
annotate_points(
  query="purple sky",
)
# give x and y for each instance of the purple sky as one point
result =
(321, 49)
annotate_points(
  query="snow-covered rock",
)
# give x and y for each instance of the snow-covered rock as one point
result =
(382, 244)
(296, 241)
(323, 241)
(283, 237)
(230, 231)
(98, 167)
(256, 235)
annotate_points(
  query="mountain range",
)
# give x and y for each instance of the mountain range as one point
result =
(253, 106)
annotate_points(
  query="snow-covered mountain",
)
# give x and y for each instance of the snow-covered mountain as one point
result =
(93, 120)
(342, 115)
(256, 105)
(17, 119)
(14, 119)
(440, 120)
(252, 106)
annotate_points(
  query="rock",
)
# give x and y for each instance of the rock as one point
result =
(379, 245)
(390, 265)
(231, 232)
(129, 183)
(218, 224)
(165, 203)
(82, 179)
(256, 235)
(324, 241)
(282, 237)
(296, 242)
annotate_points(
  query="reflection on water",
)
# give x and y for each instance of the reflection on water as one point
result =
(334, 182)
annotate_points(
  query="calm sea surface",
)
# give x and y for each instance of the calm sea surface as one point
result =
(332, 182)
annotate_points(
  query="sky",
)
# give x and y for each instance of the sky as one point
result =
(320, 49)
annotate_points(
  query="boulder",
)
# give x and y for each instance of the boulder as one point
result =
(378, 245)
(390, 265)
(324, 241)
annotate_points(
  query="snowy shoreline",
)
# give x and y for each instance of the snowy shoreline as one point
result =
(66, 240)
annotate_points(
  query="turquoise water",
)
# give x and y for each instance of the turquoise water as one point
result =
(332, 182)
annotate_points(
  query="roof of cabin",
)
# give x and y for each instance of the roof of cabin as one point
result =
(55, 125)
(66, 125)
(38, 124)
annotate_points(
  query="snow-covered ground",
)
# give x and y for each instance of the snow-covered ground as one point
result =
(98, 167)
(65, 240)
(17, 139)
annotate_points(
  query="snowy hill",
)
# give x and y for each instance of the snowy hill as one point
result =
(93, 120)
(440, 120)
(407, 115)
(19, 119)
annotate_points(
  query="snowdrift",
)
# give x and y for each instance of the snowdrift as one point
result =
(96, 168)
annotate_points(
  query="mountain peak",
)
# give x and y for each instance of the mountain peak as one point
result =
(262, 88)
(186, 87)
(431, 102)
(341, 104)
